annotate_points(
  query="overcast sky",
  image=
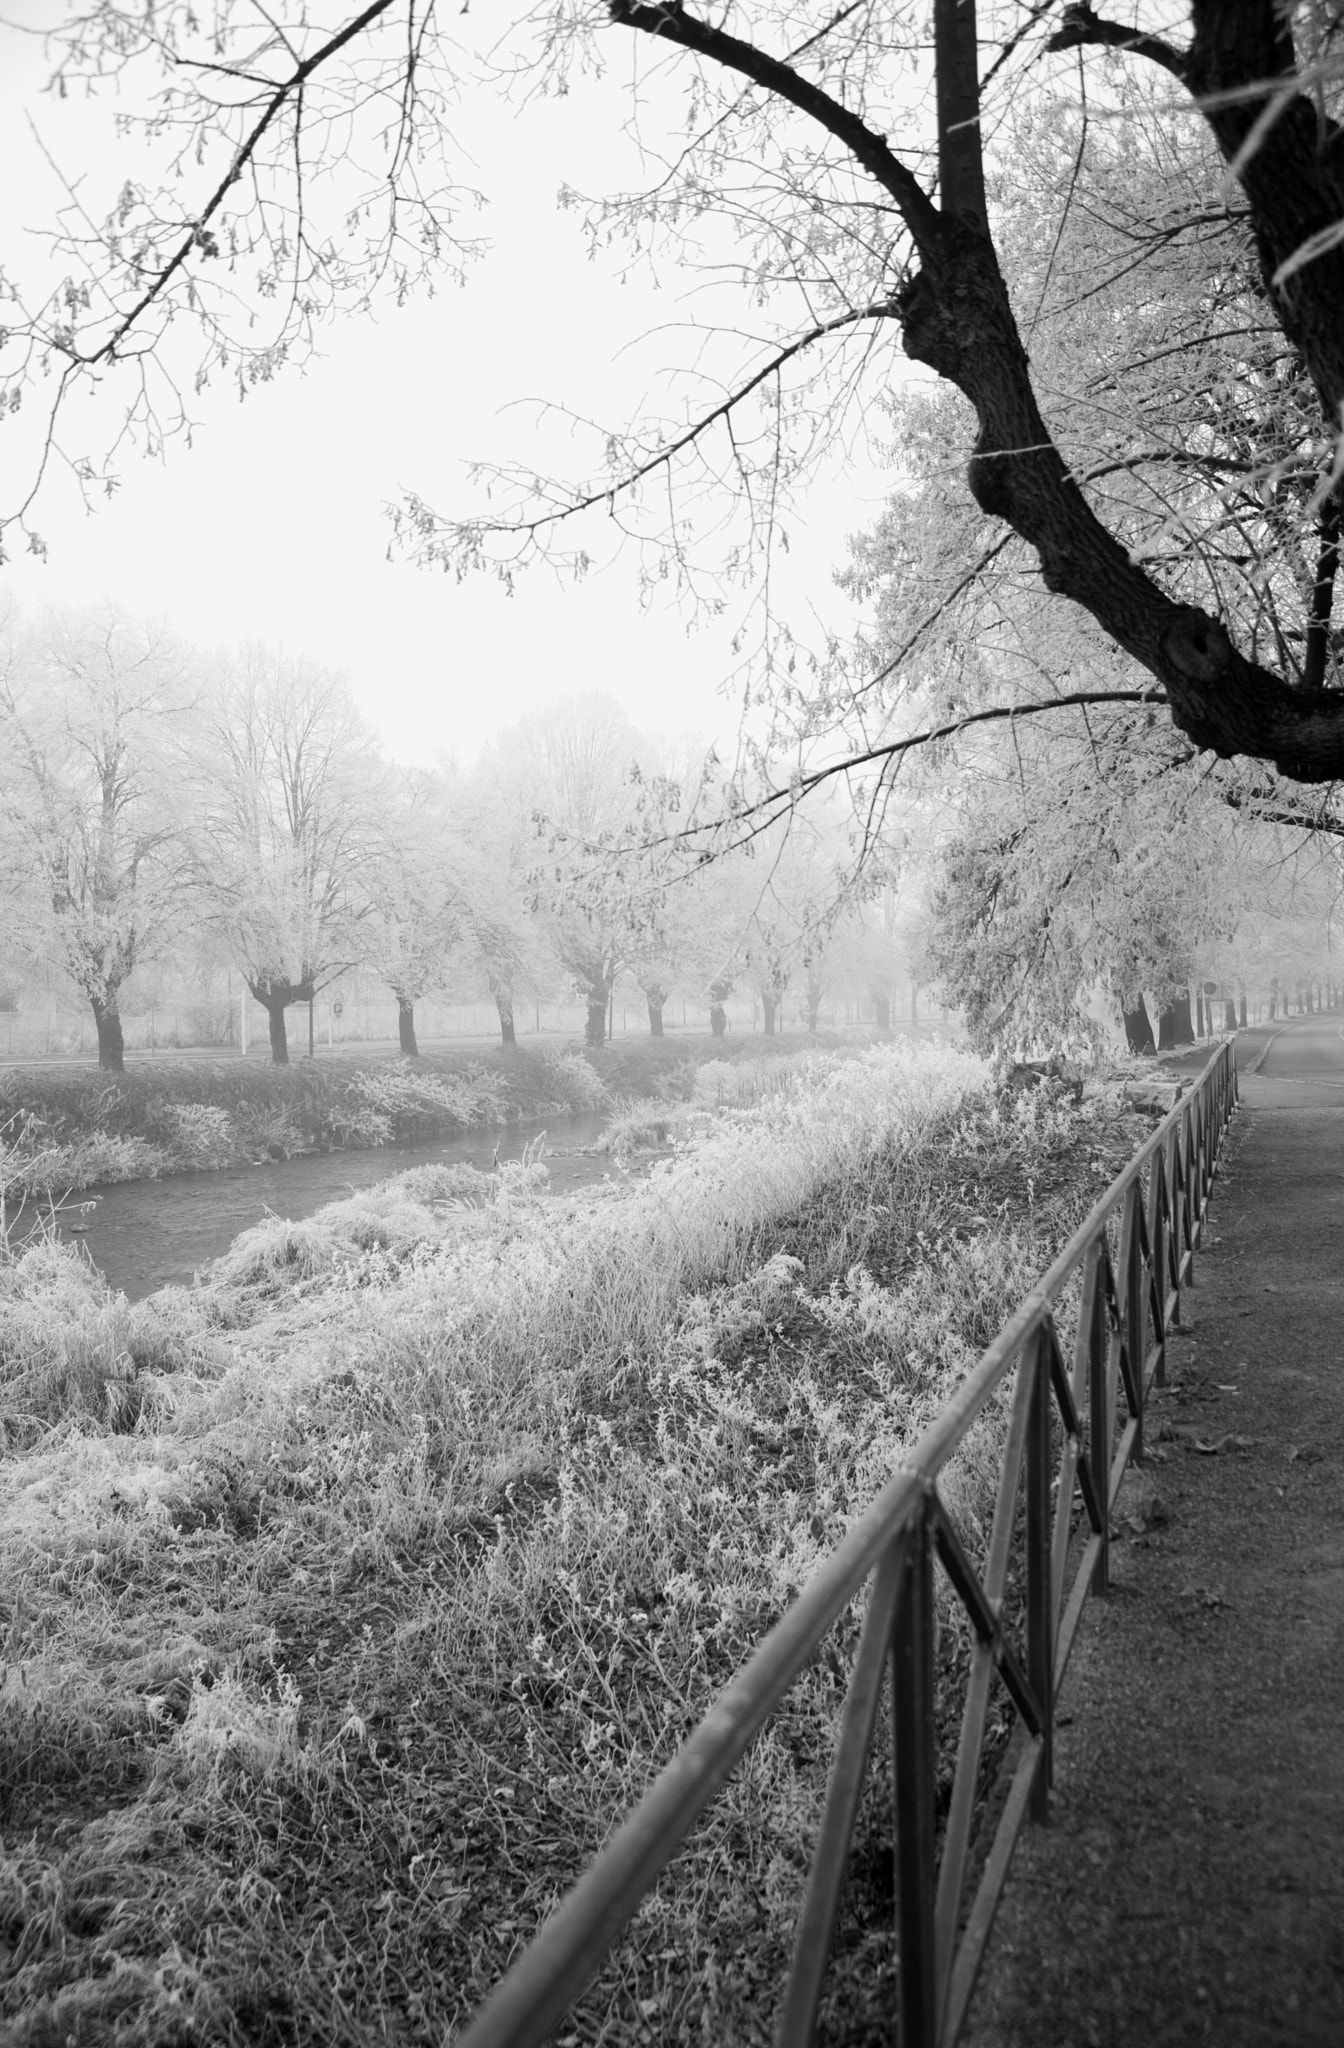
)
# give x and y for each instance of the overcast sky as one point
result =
(272, 523)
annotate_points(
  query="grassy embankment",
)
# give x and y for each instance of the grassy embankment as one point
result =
(350, 1596)
(64, 1128)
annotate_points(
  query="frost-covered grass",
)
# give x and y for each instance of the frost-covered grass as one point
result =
(353, 1594)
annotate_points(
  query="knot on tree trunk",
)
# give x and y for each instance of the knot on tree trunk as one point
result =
(1197, 646)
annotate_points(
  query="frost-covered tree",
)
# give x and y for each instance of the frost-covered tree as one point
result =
(92, 705)
(417, 908)
(288, 813)
(562, 784)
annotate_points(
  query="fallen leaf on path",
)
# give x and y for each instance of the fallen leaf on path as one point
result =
(1223, 1387)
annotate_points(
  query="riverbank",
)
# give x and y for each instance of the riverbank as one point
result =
(66, 1129)
(352, 1595)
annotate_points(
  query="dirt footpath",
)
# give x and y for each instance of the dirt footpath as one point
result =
(1191, 1885)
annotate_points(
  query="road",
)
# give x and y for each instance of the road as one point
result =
(1300, 1067)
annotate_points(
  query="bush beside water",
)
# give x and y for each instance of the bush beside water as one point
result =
(354, 1593)
(71, 1129)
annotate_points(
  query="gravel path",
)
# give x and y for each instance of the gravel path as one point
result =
(1191, 1886)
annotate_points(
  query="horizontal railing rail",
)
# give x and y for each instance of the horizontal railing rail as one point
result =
(1074, 1425)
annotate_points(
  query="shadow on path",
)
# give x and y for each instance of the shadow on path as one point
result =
(1191, 1885)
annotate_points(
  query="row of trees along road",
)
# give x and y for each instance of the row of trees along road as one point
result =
(155, 799)
(1101, 671)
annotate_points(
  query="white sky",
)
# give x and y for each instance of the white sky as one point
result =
(271, 524)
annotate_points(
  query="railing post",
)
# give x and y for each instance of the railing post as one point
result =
(1182, 1236)
(1158, 1247)
(1099, 1429)
(915, 1759)
(1040, 1596)
(1131, 1259)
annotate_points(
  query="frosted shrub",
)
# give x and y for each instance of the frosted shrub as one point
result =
(275, 1250)
(199, 1134)
(415, 1101)
(742, 1084)
(642, 1127)
(357, 1125)
(63, 1348)
(576, 1086)
(88, 1161)
(266, 1126)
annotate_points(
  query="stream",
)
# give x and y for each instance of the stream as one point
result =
(144, 1234)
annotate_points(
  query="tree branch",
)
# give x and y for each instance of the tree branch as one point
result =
(671, 23)
(767, 808)
(1081, 27)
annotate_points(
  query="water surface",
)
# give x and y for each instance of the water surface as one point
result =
(144, 1234)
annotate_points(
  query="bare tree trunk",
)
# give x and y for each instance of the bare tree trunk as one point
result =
(882, 1005)
(769, 1013)
(406, 1028)
(275, 1007)
(655, 1002)
(111, 1045)
(595, 1031)
(1243, 1009)
(718, 1019)
(1138, 1027)
(1166, 1027)
(1184, 1029)
(504, 1005)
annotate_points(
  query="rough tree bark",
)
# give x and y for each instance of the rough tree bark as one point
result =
(504, 1006)
(111, 1044)
(598, 996)
(719, 991)
(882, 1008)
(275, 1020)
(1138, 1028)
(769, 1013)
(655, 998)
(406, 1027)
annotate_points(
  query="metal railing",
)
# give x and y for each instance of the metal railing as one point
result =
(1077, 1423)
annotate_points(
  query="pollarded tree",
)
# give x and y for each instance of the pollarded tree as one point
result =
(288, 812)
(91, 706)
(870, 224)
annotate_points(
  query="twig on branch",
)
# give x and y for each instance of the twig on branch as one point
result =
(279, 98)
(420, 516)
